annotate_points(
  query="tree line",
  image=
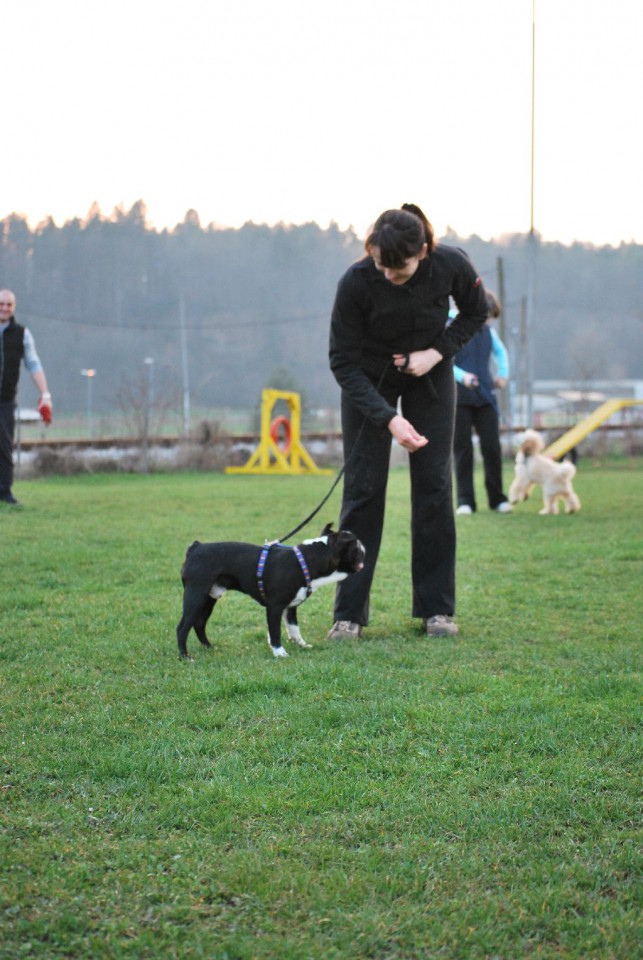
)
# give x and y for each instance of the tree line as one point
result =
(238, 309)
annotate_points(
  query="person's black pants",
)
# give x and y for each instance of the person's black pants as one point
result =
(7, 429)
(484, 420)
(367, 451)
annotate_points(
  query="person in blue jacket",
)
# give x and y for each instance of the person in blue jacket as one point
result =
(477, 409)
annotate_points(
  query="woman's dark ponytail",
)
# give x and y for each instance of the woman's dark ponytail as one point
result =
(428, 229)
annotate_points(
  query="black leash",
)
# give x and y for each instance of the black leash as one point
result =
(318, 508)
(350, 457)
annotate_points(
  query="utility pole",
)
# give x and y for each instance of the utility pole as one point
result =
(149, 380)
(524, 370)
(532, 244)
(186, 378)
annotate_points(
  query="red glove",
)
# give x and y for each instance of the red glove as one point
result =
(44, 408)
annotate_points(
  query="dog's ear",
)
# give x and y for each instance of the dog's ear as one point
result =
(533, 442)
(328, 529)
(345, 536)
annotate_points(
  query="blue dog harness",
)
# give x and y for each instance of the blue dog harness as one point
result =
(263, 556)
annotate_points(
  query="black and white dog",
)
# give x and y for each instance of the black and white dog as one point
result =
(276, 576)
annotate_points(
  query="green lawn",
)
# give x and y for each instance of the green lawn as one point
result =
(389, 798)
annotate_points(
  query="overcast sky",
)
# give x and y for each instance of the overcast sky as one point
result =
(294, 111)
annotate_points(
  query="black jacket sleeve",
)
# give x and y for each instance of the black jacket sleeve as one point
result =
(470, 298)
(346, 339)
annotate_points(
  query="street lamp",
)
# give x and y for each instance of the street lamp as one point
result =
(89, 374)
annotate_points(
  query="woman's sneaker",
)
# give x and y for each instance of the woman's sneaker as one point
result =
(344, 630)
(440, 626)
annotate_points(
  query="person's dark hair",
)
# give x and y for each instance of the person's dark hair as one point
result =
(399, 235)
(428, 229)
(494, 307)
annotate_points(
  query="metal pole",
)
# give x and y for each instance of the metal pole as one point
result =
(186, 379)
(149, 363)
(523, 351)
(532, 244)
(533, 111)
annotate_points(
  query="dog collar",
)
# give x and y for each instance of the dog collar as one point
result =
(263, 556)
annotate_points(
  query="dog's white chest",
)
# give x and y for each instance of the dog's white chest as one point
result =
(302, 593)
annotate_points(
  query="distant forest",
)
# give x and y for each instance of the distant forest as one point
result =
(241, 309)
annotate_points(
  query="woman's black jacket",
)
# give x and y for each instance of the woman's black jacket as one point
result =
(373, 318)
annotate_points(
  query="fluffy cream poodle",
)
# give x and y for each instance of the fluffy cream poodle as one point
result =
(532, 468)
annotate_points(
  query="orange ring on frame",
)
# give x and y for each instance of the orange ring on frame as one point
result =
(274, 433)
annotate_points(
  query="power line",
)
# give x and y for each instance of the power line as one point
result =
(223, 324)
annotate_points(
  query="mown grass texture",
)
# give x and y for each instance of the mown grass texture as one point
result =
(389, 798)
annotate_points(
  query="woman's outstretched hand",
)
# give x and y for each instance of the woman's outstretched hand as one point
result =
(406, 435)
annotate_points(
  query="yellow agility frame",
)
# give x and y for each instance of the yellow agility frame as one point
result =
(582, 429)
(269, 458)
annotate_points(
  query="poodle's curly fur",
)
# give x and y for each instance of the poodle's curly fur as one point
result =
(532, 468)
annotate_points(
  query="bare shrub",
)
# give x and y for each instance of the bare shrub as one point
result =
(67, 462)
(212, 449)
(211, 457)
(144, 409)
(210, 431)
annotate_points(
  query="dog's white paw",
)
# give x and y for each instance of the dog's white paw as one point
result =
(277, 651)
(294, 635)
(302, 643)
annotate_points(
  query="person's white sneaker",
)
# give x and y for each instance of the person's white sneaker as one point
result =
(463, 510)
(504, 507)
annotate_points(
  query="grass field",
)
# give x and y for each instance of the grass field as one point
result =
(390, 798)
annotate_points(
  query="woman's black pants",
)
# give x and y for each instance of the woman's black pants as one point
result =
(484, 420)
(367, 451)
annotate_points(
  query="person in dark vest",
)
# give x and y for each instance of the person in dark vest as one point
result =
(16, 347)
(477, 410)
